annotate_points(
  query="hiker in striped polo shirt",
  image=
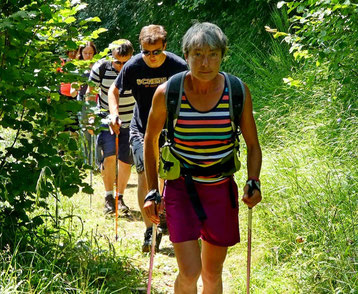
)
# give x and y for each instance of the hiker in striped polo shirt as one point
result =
(103, 74)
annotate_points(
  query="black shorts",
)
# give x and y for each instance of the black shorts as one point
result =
(106, 146)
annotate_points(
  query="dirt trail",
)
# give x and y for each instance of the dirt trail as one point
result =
(131, 235)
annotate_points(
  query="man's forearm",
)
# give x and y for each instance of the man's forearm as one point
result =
(151, 155)
(113, 100)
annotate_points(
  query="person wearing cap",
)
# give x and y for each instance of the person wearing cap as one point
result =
(103, 74)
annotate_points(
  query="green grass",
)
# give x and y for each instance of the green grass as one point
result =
(74, 266)
(309, 138)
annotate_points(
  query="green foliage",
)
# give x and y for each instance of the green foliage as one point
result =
(124, 19)
(67, 266)
(325, 33)
(33, 36)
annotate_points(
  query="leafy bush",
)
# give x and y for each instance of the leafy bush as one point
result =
(37, 158)
(325, 33)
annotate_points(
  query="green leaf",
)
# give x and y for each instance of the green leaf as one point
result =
(46, 10)
(70, 19)
(279, 34)
(95, 34)
(88, 189)
(93, 19)
(281, 4)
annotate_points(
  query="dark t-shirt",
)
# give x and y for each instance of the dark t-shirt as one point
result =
(143, 80)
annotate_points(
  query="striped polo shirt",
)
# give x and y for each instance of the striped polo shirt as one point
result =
(203, 138)
(126, 99)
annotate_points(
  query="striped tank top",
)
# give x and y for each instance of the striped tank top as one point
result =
(203, 138)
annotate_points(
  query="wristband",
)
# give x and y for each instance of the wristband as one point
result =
(153, 195)
(254, 178)
(253, 185)
(114, 117)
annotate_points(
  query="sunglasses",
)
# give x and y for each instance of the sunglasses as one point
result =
(120, 62)
(154, 52)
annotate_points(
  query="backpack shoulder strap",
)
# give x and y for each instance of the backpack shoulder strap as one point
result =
(102, 69)
(237, 96)
(173, 94)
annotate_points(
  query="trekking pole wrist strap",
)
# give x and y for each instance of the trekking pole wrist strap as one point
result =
(114, 117)
(153, 195)
(253, 185)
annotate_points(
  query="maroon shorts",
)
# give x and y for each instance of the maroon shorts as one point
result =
(221, 227)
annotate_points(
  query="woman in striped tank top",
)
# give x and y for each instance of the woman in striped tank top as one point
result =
(202, 137)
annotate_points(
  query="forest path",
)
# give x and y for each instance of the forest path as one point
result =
(131, 235)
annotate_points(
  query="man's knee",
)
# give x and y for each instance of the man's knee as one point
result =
(108, 162)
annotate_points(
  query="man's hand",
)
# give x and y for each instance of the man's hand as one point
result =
(114, 124)
(252, 193)
(153, 206)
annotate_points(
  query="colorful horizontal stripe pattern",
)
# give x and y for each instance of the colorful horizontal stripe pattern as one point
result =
(203, 138)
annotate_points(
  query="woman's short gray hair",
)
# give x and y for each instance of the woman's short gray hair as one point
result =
(201, 34)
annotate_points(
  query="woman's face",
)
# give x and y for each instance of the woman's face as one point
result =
(87, 53)
(204, 62)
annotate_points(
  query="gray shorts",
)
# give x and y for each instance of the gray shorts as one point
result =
(136, 140)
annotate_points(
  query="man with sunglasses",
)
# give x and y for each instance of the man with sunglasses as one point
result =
(143, 74)
(103, 73)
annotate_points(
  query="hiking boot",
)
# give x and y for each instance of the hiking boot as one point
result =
(147, 240)
(109, 205)
(158, 239)
(147, 244)
(163, 223)
(122, 207)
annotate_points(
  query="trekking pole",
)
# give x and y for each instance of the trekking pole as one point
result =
(117, 189)
(91, 147)
(249, 229)
(157, 200)
(151, 262)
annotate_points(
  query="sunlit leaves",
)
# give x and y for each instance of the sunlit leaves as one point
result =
(291, 82)
(325, 32)
(96, 33)
(32, 40)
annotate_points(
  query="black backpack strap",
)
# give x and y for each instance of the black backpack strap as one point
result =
(102, 69)
(194, 197)
(237, 96)
(173, 94)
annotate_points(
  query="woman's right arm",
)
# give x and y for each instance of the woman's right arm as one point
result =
(156, 120)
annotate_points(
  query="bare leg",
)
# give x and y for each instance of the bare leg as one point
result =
(124, 172)
(189, 262)
(142, 192)
(213, 258)
(108, 172)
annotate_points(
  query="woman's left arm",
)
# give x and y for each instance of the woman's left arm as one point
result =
(254, 156)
